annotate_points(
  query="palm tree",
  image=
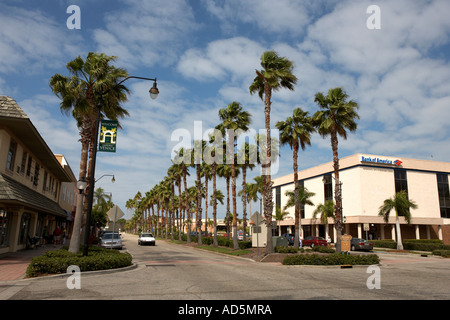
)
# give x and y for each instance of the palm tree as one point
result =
(234, 120)
(197, 154)
(79, 96)
(302, 196)
(276, 74)
(279, 216)
(183, 156)
(337, 115)
(217, 196)
(206, 173)
(246, 159)
(224, 171)
(326, 211)
(296, 131)
(402, 205)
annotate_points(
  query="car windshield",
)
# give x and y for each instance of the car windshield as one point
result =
(145, 235)
(110, 236)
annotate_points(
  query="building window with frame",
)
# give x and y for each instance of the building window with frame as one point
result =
(401, 183)
(11, 155)
(444, 194)
(278, 196)
(327, 187)
(24, 162)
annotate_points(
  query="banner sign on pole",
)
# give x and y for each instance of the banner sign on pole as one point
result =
(108, 136)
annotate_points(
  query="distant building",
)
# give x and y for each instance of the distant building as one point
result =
(30, 181)
(367, 180)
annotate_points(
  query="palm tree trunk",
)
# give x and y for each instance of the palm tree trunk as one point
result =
(337, 189)
(199, 204)
(233, 191)
(244, 200)
(268, 198)
(399, 234)
(188, 210)
(215, 242)
(296, 199)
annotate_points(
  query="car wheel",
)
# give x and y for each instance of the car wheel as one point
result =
(353, 248)
(312, 245)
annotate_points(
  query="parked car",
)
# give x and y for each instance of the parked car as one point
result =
(289, 237)
(111, 241)
(360, 244)
(314, 241)
(146, 238)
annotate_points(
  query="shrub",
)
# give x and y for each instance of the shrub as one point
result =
(331, 259)
(57, 261)
(442, 253)
(324, 249)
(286, 250)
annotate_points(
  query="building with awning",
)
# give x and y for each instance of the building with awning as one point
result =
(30, 180)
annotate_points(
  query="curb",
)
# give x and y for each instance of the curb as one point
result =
(84, 273)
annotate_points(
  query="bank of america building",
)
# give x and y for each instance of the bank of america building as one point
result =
(368, 180)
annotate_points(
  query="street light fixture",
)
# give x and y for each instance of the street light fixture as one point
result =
(81, 185)
(107, 175)
(154, 92)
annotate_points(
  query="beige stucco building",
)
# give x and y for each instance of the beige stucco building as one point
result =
(30, 181)
(367, 180)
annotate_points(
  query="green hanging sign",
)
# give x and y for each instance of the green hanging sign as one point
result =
(108, 136)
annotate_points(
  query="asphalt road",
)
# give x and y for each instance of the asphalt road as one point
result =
(173, 272)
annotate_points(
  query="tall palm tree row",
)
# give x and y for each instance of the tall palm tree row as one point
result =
(336, 116)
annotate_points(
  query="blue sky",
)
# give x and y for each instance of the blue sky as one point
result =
(204, 54)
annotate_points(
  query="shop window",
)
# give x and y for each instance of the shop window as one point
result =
(5, 227)
(444, 194)
(24, 228)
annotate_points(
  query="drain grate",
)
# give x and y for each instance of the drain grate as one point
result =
(160, 265)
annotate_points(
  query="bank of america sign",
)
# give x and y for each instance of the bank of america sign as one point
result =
(381, 160)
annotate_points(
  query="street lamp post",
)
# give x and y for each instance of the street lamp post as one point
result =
(153, 95)
(339, 218)
(74, 245)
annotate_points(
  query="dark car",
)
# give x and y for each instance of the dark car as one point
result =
(361, 244)
(313, 241)
(289, 237)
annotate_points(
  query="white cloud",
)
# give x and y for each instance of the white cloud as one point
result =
(32, 40)
(146, 32)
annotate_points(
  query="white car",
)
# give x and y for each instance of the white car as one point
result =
(111, 241)
(146, 238)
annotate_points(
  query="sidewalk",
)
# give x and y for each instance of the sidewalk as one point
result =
(13, 265)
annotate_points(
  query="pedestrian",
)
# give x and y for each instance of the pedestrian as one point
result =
(64, 235)
(45, 235)
(57, 236)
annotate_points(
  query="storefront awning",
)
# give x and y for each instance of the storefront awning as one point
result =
(14, 193)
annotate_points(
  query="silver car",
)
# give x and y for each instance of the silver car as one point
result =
(111, 241)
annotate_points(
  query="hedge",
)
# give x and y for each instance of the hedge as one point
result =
(331, 259)
(413, 244)
(57, 261)
(442, 253)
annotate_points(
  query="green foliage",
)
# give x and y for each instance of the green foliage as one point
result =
(413, 244)
(57, 261)
(285, 250)
(331, 259)
(442, 253)
(323, 249)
